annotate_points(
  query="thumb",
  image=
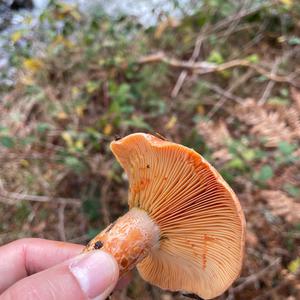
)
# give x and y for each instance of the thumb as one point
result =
(87, 276)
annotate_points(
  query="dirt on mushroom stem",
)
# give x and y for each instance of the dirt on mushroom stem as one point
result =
(129, 240)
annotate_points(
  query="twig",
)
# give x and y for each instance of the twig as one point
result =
(255, 277)
(183, 74)
(61, 222)
(240, 15)
(205, 67)
(227, 94)
(223, 99)
(270, 84)
(274, 70)
(13, 198)
(201, 37)
(235, 23)
(105, 210)
(279, 286)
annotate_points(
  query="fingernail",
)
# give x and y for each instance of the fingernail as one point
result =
(96, 272)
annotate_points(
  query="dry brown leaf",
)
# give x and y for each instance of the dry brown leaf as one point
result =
(289, 175)
(216, 134)
(39, 227)
(251, 238)
(270, 124)
(221, 156)
(295, 93)
(163, 25)
(282, 206)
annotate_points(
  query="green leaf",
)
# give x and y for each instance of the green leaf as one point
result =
(30, 139)
(3, 129)
(92, 86)
(249, 154)
(264, 174)
(286, 148)
(284, 92)
(293, 41)
(92, 208)
(292, 190)
(74, 163)
(278, 101)
(92, 232)
(236, 163)
(215, 57)
(253, 58)
(7, 141)
(42, 127)
(294, 265)
(137, 122)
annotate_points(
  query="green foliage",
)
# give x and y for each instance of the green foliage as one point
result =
(292, 190)
(22, 212)
(74, 163)
(286, 148)
(7, 141)
(285, 153)
(294, 265)
(264, 174)
(92, 208)
(294, 41)
(253, 58)
(215, 57)
(80, 83)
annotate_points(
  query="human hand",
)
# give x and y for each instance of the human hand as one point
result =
(41, 269)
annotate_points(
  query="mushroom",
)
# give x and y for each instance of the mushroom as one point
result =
(185, 229)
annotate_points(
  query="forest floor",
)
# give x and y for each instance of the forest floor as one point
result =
(224, 81)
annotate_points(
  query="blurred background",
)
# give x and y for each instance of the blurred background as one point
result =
(222, 77)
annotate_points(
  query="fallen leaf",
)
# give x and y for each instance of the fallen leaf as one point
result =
(33, 64)
(171, 123)
(16, 36)
(39, 227)
(107, 129)
(251, 239)
(288, 3)
(68, 139)
(294, 265)
(27, 79)
(295, 94)
(163, 25)
(79, 109)
(282, 206)
(62, 115)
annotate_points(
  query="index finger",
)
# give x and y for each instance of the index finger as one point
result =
(24, 257)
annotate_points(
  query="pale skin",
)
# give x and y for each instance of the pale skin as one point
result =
(42, 269)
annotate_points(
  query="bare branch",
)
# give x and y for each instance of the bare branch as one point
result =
(274, 70)
(183, 74)
(225, 95)
(205, 67)
(13, 198)
(61, 222)
(254, 277)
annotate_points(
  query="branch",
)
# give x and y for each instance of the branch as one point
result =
(61, 222)
(226, 94)
(194, 57)
(205, 67)
(254, 277)
(13, 198)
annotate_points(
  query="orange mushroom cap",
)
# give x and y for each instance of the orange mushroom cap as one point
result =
(199, 218)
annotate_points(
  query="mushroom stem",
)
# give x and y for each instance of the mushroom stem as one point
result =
(129, 239)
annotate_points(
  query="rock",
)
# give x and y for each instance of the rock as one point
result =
(21, 4)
